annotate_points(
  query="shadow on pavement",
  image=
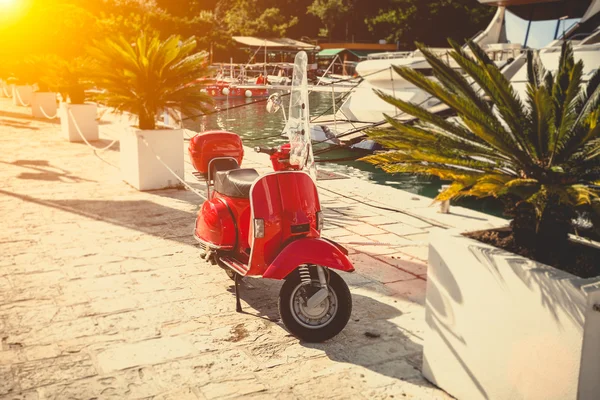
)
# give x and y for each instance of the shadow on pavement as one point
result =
(27, 115)
(369, 340)
(44, 171)
(18, 124)
(140, 215)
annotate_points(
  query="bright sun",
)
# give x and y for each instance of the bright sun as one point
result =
(7, 3)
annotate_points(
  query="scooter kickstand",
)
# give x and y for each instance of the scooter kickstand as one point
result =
(238, 305)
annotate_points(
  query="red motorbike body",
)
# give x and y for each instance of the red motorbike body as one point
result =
(266, 225)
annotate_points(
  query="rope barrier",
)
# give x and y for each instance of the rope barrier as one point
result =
(46, 115)
(170, 170)
(426, 220)
(20, 99)
(96, 149)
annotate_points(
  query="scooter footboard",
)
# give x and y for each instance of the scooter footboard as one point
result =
(308, 251)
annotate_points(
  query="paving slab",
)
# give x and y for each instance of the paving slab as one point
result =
(103, 294)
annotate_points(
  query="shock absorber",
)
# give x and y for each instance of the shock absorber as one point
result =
(304, 274)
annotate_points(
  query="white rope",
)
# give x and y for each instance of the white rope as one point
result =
(170, 170)
(46, 115)
(20, 99)
(5, 92)
(85, 140)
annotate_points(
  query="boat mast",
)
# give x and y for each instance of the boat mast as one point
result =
(265, 66)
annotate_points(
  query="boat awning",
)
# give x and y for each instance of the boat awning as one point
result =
(334, 52)
(592, 11)
(541, 10)
(361, 53)
(329, 52)
(282, 43)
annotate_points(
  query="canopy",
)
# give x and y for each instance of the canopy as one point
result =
(282, 43)
(329, 52)
(543, 10)
(592, 11)
(333, 52)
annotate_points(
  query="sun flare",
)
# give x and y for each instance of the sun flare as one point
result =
(8, 3)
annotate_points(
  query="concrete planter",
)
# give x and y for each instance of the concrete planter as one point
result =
(504, 327)
(43, 105)
(22, 95)
(139, 165)
(79, 120)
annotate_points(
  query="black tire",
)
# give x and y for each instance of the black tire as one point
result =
(335, 324)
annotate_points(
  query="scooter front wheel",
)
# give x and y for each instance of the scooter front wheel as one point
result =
(320, 322)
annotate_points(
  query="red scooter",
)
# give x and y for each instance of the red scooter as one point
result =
(270, 225)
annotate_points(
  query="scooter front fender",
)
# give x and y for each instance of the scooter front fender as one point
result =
(308, 251)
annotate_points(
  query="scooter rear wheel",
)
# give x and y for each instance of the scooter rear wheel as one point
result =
(319, 323)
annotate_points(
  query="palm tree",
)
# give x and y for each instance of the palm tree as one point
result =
(541, 157)
(150, 76)
(69, 77)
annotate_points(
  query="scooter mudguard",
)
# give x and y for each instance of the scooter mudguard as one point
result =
(308, 251)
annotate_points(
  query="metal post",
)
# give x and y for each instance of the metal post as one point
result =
(333, 105)
(393, 87)
(445, 205)
(238, 304)
(327, 70)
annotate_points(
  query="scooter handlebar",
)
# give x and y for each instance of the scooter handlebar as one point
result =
(265, 150)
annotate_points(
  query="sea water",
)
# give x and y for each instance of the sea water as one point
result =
(249, 118)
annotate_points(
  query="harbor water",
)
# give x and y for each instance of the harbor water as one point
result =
(257, 127)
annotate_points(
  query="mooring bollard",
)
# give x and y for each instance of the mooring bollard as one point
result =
(444, 205)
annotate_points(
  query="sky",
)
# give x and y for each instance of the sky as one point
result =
(541, 33)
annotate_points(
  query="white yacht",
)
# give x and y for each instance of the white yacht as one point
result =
(517, 25)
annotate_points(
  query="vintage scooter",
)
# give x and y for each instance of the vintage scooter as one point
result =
(270, 225)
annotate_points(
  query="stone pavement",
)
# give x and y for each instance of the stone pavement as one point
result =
(103, 295)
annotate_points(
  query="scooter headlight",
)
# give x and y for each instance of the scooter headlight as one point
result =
(259, 228)
(320, 220)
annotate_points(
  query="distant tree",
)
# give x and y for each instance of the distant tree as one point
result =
(186, 8)
(330, 12)
(430, 22)
(248, 18)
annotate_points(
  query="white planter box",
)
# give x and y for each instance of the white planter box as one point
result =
(22, 95)
(77, 120)
(504, 327)
(139, 165)
(43, 105)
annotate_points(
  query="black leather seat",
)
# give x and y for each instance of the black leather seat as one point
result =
(235, 182)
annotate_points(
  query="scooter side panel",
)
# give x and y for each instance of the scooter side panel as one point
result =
(300, 203)
(287, 202)
(215, 225)
(265, 200)
(307, 251)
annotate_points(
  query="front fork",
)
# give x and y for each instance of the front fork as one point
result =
(322, 294)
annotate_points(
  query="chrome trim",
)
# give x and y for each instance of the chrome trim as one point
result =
(233, 266)
(211, 245)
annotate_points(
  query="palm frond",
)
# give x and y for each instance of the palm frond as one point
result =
(151, 77)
